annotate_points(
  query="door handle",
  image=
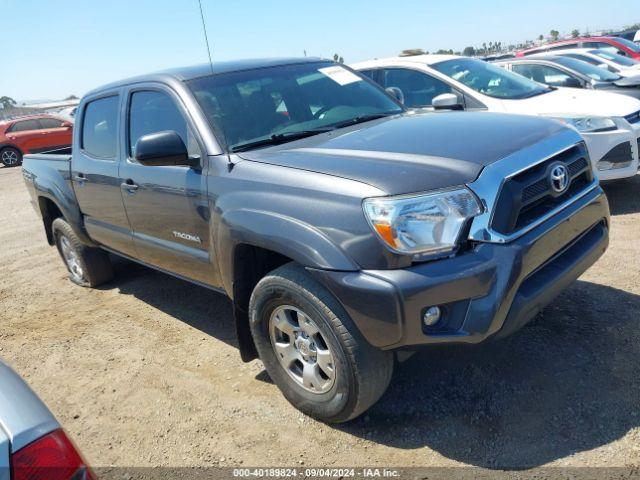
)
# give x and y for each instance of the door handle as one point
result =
(79, 177)
(129, 185)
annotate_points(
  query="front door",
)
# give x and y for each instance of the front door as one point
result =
(166, 205)
(57, 133)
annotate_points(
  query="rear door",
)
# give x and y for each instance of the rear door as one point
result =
(94, 170)
(166, 205)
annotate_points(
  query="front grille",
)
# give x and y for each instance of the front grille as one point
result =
(527, 196)
(633, 118)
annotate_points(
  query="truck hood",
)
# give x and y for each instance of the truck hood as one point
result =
(575, 101)
(412, 152)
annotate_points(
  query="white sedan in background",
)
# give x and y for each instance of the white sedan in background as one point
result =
(623, 66)
(609, 122)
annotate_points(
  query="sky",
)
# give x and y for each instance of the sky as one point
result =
(52, 49)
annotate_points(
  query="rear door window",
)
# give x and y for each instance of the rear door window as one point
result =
(25, 126)
(99, 127)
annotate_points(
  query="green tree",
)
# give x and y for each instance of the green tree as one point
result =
(338, 58)
(541, 37)
(469, 52)
(71, 97)
(554, 35)
(7, 102)
(575, 33)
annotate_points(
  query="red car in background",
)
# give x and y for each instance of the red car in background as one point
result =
(32, 134)
(618, 45)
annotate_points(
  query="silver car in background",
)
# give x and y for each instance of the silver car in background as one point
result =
(32, 444)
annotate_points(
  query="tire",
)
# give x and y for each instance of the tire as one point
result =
(87, 266)
(11, 157)
(360, 374)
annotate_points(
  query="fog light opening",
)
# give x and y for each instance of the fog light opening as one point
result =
(431, 316)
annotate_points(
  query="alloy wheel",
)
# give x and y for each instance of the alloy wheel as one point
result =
(301, 349)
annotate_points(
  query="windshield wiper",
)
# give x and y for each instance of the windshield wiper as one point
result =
(278, 138)
(364, 118)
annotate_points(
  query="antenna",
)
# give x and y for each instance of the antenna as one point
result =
(206, 39)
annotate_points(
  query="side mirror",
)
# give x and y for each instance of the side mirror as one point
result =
(162, 149)
(572, 83)
(446, 101)
(396, 93)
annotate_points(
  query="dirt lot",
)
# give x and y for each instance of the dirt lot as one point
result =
(144, 371)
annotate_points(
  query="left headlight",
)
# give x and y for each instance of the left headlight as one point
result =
(590, 124)
(424, 225)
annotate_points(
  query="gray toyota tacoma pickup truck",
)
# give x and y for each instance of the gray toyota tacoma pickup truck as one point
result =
(343, 227)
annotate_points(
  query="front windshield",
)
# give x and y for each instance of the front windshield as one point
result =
(591, 71)
(490, 80)
(614, 57)
(629, 44)
(246, 107)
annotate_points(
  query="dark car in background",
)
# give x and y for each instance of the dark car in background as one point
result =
(561, 71)
(32, 134)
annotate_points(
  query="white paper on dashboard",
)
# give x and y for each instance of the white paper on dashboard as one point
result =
(340, 75)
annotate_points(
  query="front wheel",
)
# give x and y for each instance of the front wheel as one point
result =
(11, 157)
(312, 350)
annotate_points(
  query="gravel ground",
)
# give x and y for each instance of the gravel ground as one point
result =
(145, 371)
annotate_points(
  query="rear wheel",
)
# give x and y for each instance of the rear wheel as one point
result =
(11, 157)
(87, 266)
(312, 350)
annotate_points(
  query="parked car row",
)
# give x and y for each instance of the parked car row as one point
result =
(608, 122)
(621, 46)
(32, 134)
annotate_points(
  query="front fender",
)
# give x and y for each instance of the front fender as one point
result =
(285, 235)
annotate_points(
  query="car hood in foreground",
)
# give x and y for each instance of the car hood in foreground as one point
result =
(23, 416)
(575, 101)
(412, 152)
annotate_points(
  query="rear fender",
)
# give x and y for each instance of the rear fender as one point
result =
(54, 186)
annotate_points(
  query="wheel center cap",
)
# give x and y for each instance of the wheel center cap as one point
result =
(304, 346)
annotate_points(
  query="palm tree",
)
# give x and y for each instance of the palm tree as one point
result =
(7, 102)
(554, 34)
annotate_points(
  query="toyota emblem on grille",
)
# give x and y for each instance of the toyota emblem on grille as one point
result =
(559, 178)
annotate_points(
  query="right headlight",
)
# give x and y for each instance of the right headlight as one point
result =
(589, 124)
(423, 225)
